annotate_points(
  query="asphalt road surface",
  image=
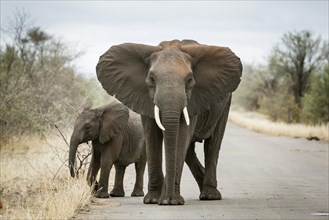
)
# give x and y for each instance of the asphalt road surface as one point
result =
(259, 176)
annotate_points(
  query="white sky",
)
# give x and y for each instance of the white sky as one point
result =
(249, 28)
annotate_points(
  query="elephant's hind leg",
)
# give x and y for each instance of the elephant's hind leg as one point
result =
(140, 168)
(195, 166)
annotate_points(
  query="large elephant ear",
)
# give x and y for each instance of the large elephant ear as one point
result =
(122, 71)
(113, 119)
(217, 72)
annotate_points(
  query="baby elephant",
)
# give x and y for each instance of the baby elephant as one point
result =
(117, 139)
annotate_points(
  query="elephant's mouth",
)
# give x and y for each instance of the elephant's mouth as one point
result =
(158, 121)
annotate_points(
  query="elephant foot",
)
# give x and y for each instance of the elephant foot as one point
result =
(117, 192)
(171, 200)
(210, 193)
(137, 192)
(102, 194)
(152, 197)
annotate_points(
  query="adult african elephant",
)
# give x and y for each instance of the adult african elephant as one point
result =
(117, 138)
(187, 88)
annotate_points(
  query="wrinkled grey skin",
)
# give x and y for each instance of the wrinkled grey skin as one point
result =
(117, 139)
(172, 76)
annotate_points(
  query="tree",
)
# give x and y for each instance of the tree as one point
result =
(316, 102)
(261, 90)
(296, 59)
(37, 80)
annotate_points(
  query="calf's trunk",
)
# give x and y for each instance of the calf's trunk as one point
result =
(72, 153)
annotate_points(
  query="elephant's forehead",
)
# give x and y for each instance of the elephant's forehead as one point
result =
(171, 61)
(86, 116)
(171, 55)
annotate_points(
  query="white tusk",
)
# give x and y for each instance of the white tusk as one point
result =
(187, 119)
(157, 117)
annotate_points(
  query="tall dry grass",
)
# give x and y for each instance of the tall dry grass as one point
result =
(35, 182)
(259, 123)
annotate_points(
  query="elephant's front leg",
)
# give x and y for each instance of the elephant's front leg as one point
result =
(117, 190)
(211, 147)
(109, 154)
(153, 139)
(93, 169)
(104, 180)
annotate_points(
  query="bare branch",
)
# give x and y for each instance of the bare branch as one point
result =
(32, 166)
(60, 132)
(60, 168)
(50, 170)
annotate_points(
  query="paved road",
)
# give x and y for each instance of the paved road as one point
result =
(260, 177)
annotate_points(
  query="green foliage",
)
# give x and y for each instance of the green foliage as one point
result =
(288, 88)
(280, 107)
(295, 59)
(262, 90)
(316, 101)
(38, 82)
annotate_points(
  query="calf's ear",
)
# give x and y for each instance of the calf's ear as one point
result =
(113, 119)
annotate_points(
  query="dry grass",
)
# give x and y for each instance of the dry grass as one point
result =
(35, 182)
(260, 123)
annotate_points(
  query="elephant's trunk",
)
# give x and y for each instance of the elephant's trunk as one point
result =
(171, 123)
(73, 150)
(171, 109)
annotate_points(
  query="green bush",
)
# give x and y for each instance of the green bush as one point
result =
(293, 86)
(38, 82)
(280, 107)
(316, 101)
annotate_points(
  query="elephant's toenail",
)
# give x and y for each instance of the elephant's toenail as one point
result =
(165, 202)
(174, 202)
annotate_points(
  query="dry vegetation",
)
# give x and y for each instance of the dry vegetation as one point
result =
(39, 86)
(261, 123)
(35, 181)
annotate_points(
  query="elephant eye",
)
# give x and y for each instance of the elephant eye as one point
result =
(151, 80)
(189, 81)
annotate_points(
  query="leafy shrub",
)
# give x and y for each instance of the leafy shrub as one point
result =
(38, 81)
(293, 86)
(316, 102)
